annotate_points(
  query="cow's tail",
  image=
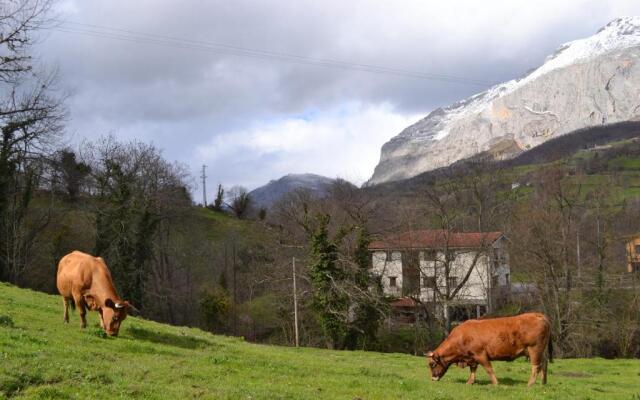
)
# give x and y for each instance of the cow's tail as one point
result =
(550, 349)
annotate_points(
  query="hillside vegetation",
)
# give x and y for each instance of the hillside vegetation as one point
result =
(198, 267)
(43, 358)
(597, 151)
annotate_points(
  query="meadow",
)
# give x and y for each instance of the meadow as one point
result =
(42, 358)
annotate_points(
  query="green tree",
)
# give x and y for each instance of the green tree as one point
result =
(219, 200)
(240, 201)
(73, 173)
(329, 300)
(136, 190)
(370, 306)
(215, 307)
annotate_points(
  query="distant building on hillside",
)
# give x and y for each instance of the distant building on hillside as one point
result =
(465, 270)
(633, 253)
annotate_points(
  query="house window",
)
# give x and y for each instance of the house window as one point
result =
(429, 281)
(452, 281)
(506, 279)
(429, 255)
(496, 258)
(638, 249)
(635, 267)
(392, 281)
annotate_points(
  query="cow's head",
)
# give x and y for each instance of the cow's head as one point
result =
(437, 366)
(113, 314)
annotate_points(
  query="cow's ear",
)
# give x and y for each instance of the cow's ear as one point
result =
(109, 303)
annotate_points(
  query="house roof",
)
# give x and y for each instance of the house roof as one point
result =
(435, 239)
(404, 302)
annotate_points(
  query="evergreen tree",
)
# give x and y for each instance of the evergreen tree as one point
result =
(330, 303)
(219, 200)
(363, 330)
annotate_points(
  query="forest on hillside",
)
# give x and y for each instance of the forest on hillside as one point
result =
(228, 269)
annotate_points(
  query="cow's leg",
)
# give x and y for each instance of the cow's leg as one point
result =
(484, 361)
(536, 356)
(101, 320)
(545, 365)
(81, 309)
(472, 376)
(534, 374)
(65, 301)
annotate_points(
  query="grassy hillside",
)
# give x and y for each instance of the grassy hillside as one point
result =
(40, 357)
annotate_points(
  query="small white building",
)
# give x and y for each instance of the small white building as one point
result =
(414, 264)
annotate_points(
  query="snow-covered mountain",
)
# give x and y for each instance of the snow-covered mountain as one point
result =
(266, 195)
(583, 83)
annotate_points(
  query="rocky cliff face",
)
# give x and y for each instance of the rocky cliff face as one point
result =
(584, 83)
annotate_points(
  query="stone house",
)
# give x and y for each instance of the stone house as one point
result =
(413, 266)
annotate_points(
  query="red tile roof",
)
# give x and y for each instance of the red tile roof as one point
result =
(404, 302)
(435, 239)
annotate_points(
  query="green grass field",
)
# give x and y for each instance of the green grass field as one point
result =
(42, 358)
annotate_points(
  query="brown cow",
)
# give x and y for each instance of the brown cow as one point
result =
(482, 340)
(87, 282)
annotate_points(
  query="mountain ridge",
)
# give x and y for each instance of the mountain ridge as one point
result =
(585, 82)
(265, 196)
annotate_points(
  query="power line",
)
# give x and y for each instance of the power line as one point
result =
(128, 35)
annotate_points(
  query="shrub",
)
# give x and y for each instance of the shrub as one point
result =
(6, 321)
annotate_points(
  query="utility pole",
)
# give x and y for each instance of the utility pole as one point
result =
(204, 186)
(295, 303)
(235, 293)
(578, 261)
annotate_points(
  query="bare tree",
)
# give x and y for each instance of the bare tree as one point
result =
(439, 278)
(136, 191)
(31, 119)
(545, 235)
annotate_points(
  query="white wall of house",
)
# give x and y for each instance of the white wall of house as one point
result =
(490, 269)
(388, 265)
(476, 287)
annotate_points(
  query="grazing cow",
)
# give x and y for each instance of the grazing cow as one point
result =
(480, 341)
(87, 282)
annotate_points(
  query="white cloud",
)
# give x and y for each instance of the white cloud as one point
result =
(251, 119)
(340, 142)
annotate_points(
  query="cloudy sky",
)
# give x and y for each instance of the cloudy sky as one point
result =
(249, 115)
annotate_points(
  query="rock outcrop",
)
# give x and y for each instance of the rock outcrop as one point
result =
(584, 83)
